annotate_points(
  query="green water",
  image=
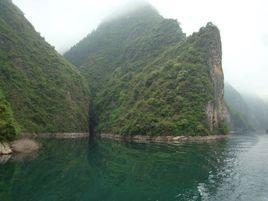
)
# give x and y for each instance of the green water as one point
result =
(76, 170)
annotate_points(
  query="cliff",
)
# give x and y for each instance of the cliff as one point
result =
(215, 108)
(149, 79)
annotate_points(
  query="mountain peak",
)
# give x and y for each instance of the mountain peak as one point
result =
(137, 8)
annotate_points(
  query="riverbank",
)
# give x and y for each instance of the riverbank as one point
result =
(135, 138)
(174, 139)
(27, 144)
(62, 135)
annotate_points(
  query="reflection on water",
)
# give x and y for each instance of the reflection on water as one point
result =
(234, 169)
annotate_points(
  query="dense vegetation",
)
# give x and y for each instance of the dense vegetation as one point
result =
(146, 76)
(128, 41)
(8, 126)
(45, 92)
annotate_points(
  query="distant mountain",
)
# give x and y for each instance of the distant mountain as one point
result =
(247, 111)
(258, 111)
(148, 78)
(238, 109)
(45, 92)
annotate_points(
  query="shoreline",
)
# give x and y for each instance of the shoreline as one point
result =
(27, 143)
(133, 138)
(27, 139)
(173, 139)
(61, 135)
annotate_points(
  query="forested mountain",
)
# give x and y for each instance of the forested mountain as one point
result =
(130, 40)
(148, 78)
(45, 92)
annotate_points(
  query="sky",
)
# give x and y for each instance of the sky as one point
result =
(243, 26)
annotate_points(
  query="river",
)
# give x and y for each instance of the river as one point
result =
(77, 170)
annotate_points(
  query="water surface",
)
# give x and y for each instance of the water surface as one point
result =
(76, 170)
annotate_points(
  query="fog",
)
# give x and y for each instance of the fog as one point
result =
(242, 24)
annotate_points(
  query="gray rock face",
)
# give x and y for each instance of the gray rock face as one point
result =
(216, 110)
(5, 149)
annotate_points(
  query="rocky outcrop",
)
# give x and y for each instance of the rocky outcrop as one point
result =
(25, 146)
(215, 109)
(19, 150)
(5, 149)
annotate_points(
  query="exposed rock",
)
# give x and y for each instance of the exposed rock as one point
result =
(25, 146)
(5, 149)
(216, 107)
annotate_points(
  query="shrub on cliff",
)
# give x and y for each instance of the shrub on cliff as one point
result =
(8, 126)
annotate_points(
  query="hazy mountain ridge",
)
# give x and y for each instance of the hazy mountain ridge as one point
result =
(138, 37)
(258, 111)
(238, 109)
(149, 79)
(46, 93)
(248, 111)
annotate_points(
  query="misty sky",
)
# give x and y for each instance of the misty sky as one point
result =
(243, 25)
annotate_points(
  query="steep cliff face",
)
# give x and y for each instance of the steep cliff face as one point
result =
(216, 110)
(154, 80)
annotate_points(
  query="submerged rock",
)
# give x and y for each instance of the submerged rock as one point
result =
(4, 159)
